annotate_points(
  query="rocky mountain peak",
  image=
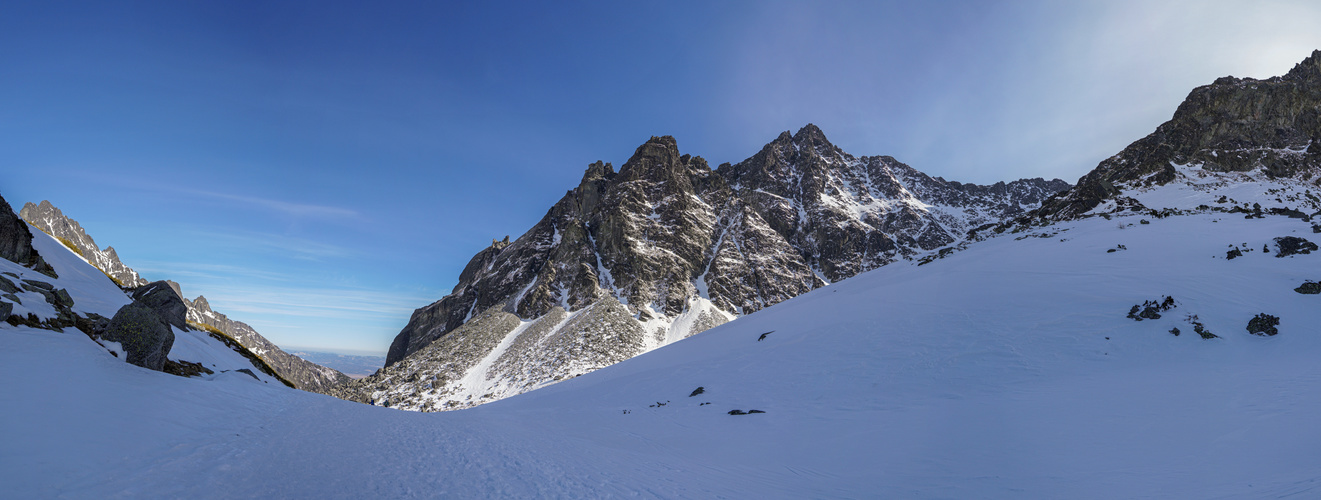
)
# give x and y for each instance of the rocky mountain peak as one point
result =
(201, 305)
(1307, 70)
(658, 159)
(810, 136)
(667, 248)
(598, 171)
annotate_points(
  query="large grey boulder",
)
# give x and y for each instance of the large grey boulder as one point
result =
(161, 297)
(144, 335)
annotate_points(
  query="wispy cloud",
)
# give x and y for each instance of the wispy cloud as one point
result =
(302, 248)
(287, 208)
(202, 271)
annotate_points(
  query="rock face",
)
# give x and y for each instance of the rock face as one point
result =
(667, 247)
(1233, 125)
(159, 296)
(145, 336)
(50, 219)
(304, 374)
(16, 241)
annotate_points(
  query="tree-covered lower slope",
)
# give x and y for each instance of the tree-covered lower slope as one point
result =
(1010, 369)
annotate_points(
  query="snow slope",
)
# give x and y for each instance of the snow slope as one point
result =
(91, 290)
(1007, 370)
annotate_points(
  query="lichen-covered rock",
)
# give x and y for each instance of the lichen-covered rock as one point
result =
(145, 336)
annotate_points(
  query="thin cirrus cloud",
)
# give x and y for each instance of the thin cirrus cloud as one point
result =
(284, 207)
(299, 248)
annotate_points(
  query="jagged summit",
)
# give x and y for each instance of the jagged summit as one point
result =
(1245, 125)
(49, 218)
(1308, 69)
(667, 248)
(811, 135)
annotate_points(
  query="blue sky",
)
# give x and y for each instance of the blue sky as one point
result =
(320, 169)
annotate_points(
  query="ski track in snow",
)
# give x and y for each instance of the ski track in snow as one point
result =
(1005, 371)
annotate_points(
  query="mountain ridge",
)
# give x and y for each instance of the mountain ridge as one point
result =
(304, 374)
(667, 247)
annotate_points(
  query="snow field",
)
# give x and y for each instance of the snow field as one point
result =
(986, 374)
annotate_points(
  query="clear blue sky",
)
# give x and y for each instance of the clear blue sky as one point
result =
(320, 169)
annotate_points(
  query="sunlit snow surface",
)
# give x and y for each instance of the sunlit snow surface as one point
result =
(987, 374)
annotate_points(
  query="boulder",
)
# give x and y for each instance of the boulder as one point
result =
(161, 297)
(6, 309)
(62, 298)
(1309, 288)
(1291, 245)
(145, 336)
(1264, 325)
(7, 286)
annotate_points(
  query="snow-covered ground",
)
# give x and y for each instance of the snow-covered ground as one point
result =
(90, 289)
(1007, 370)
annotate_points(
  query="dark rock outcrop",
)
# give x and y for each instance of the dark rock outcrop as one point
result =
(1309, 288)
(162, 298)
(145, 336)
(16, 242)
(1264, 325)
(1293, 245)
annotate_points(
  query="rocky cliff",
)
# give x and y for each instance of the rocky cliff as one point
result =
(16, 242)
(667, 247)
(1271, 127)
